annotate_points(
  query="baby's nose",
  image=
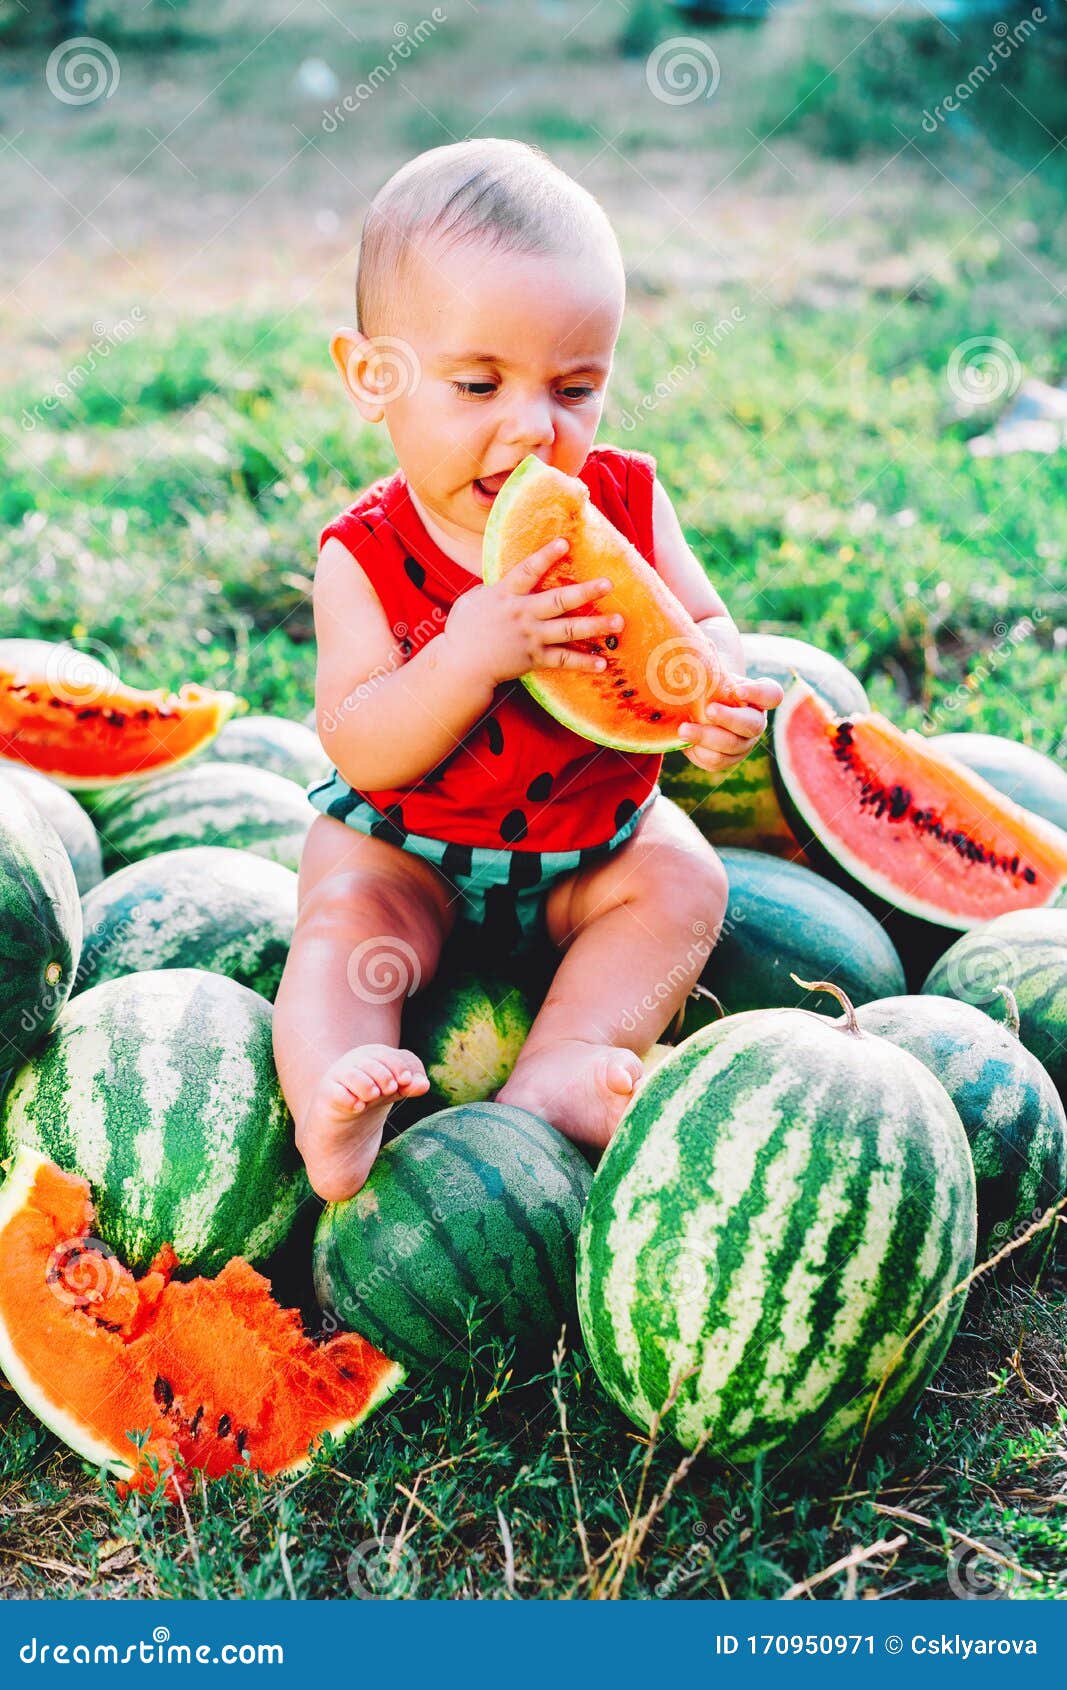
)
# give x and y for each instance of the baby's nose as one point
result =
(528, 424)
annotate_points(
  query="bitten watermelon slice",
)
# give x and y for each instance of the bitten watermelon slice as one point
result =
(660, 669)
(64, 713)
(211, 1374)
(893, 817)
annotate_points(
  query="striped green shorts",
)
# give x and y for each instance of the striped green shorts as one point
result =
(501, 893)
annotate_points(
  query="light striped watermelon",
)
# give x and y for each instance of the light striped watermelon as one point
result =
(70, 820)
(783, 1202)
(1025, 950)
(781, 920)
(206, 907)
(160, 1089)
(40, 925)
(473, 1209)
(742, 807)
(205, 804)
(273, 743)
(468, 1028)
(1013, 1118)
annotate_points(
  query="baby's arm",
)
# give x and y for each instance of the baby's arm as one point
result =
(731, 730)
(385, 721)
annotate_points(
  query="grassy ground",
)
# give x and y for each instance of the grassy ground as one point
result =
(161, 486)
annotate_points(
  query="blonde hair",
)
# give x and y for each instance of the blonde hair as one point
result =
(505, 193)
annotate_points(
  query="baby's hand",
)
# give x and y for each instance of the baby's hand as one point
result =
(504, 631)
(731, 730)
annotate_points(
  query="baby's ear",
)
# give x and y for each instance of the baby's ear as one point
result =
(355, 358)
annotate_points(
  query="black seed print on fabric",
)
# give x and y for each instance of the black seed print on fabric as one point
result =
(495, 735)
(539, 788)
(414, 571)
(514, 827)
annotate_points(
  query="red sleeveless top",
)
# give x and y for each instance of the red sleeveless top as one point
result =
(518, 779)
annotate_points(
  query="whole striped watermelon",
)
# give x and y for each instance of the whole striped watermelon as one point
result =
(273, 743)
(464, 1232)
(1032, 779)
(783, 1202)
(205, 907)
(40, 925)
(1011, 1113)
(205, 804)
(741, 807)
(782, 919)
(468, 1028)
(72, 823)
(1025, 950)
(160, 1089)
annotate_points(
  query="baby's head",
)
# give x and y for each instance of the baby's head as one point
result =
(489, 296)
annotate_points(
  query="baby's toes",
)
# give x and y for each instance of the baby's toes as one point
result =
(622, 1070)
(381, 1072)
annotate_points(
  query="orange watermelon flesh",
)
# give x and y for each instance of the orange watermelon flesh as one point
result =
(660, 670)
(211, 1374)
(65, 714)
(906, 822)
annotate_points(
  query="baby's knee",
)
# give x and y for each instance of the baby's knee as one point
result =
(353, 905)
(691, 886)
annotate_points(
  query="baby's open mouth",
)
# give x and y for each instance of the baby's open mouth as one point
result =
(489, 485)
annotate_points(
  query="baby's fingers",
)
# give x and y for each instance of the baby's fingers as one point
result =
(700, 736)
(746, 723)
(525, 575)
(563, 657)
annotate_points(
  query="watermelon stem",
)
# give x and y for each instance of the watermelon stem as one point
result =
(698, 991)
(852, 1025)
(1011, 1006)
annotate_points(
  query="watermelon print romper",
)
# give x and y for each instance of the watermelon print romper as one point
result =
(522, 800)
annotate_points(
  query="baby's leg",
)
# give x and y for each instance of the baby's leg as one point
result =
(636, 931)
(371, 920)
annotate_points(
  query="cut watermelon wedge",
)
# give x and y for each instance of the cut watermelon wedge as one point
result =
(66, 714)
(154, 1379)
(889, 815)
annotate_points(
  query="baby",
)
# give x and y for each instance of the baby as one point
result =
(489, 298)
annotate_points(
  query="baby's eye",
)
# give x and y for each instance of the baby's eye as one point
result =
(474, 389)
(574, 395)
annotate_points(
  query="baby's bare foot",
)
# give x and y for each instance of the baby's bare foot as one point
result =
(342, 1130)
(579, 1087)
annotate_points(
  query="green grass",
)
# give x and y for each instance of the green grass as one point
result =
(167, 510)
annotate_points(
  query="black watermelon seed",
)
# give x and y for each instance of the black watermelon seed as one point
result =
(611, 641)
(495, 735)
(224, 1426)
(163, 1391)
(194, 1424)
(242, 1439)
(513, 827)
(1029, 876)
(414, 571)
(539, 788)
(623, 812)
(631, 692)
(655, 716)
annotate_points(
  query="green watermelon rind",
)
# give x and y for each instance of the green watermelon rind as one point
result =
(206, 906)
(1010, 1109)
(779, 1212)
(782, 919)
(40, 924)
(160, 1089)
(439, 1230)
